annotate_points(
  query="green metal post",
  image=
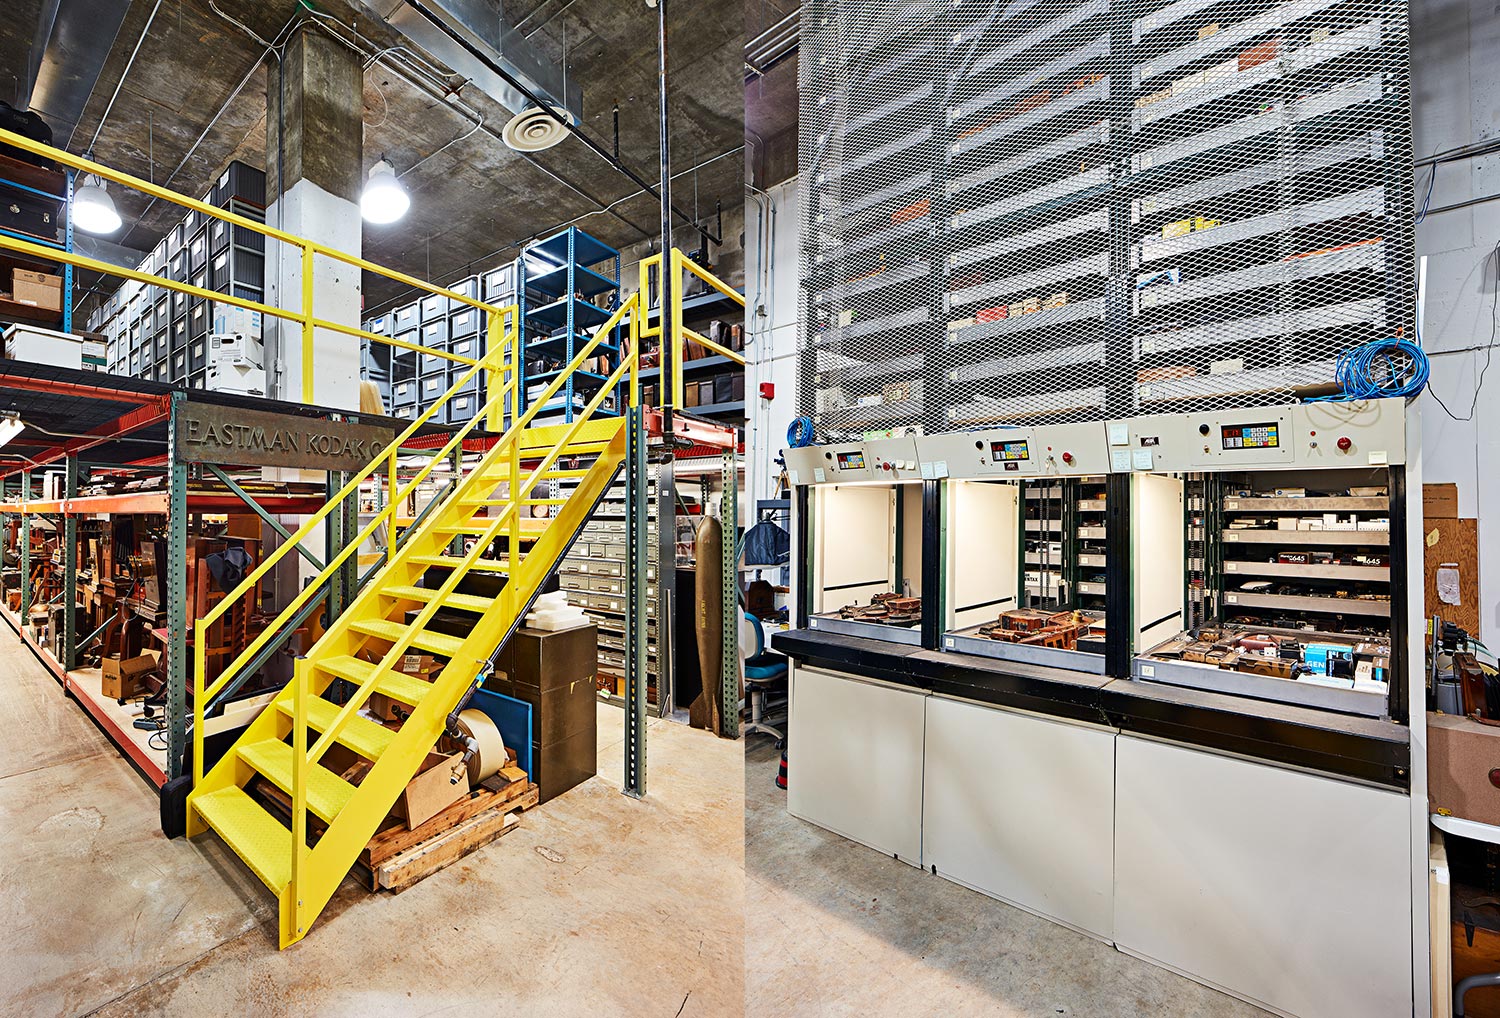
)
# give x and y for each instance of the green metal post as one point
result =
(25, 550)
(177, 609)
(333, 544)
(456, 546)
(729, 574)
(70, 570)
(636, 607)
(349, 572)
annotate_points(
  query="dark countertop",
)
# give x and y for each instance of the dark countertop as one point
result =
(1341, 745)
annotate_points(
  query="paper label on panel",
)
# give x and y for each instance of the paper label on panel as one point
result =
(1119, 460)
(1142, 460)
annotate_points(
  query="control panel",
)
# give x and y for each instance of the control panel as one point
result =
(1055, 450)
(885, 459)
(1360, 433)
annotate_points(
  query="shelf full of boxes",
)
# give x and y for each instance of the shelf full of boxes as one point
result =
(869, 255)
(713, 385)
(177, 338)
(36, 305)
(1161, 203)
(1027, 220)
(1269, 229)
(410, 381)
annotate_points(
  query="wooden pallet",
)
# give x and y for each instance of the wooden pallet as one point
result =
(396, 858)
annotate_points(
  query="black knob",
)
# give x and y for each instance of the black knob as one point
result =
(828, 455)
(1203, 429)
(979, 446)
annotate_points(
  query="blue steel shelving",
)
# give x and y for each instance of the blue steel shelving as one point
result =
(66, 244)
(569, 286)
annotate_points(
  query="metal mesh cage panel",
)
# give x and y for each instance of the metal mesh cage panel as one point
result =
(1048, 210)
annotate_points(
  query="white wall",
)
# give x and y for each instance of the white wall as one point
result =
(771, 288)
(1456, 101)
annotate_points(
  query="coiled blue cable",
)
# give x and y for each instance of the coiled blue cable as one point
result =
(1380, 369)
(799, 433)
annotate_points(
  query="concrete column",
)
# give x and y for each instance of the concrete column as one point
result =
(314, 133)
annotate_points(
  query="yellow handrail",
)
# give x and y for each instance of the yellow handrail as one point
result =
(511, 437)
(670, 316)
(307, 248)
(201, 694)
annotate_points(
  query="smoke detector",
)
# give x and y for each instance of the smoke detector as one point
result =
(533, 130)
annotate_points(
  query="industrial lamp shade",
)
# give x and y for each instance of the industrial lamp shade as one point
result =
(384, 199)
(93, 209)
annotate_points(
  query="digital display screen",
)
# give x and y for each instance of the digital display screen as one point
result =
(1250, 436)
(851, 460)
(1009, 452)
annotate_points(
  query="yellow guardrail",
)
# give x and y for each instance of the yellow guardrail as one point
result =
(309, 250)
(670, 320)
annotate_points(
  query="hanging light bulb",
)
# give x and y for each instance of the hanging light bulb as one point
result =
(93, 209)
(10, 427)
(384, 199)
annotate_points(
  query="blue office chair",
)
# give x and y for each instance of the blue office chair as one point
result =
(763, 672)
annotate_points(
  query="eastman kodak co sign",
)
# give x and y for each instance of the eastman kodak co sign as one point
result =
(228, 435)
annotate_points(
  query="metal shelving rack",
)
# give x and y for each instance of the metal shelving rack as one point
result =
(162, 335)
(11, 310)
(557, 286)
(871, 158)
(1165, 204)
(696, 309)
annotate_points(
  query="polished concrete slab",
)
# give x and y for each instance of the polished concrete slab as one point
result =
(597, 904)
(834, 929)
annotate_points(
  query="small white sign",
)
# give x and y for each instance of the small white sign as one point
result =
(1119, 434)
(1141, 459)
(792, 475)
(819, 475)
(1119, 461)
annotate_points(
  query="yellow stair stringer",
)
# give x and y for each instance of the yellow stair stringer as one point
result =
(330, 860)
(339, 638)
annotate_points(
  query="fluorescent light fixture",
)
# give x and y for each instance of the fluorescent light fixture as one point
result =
(10, 427)
(384, 199)
(93, 209)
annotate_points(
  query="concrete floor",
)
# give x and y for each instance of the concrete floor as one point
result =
(595, 905)
(833, 929)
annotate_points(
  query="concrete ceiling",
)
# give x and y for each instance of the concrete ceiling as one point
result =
(473, 199)
(771, 100)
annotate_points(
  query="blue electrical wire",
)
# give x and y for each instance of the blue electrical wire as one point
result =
(799, 433)
(1380, 369)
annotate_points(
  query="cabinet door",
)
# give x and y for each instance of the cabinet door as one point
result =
(1285, 888)
(854, 760)
(1022, 808)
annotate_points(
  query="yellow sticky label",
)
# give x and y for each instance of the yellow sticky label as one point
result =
(1433, 536)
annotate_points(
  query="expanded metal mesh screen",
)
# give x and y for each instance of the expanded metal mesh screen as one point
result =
(1050, 210)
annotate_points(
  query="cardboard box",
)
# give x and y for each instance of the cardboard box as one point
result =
(1460, 755)
(442, 781)
(124, 679)
(1440, 501)
(423, 666)
(39, 289)
(232, 320)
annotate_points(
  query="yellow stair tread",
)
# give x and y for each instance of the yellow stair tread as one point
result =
(465, 602)
(438, 643)
(327, 793)
(451, 562)
(362, 735)
(255, 835)
(392, 683)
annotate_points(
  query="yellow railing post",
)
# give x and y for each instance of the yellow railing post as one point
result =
(200, 666)
(494, 358)
(672, 289)
(636, 311)
(390, 504)
(307, 322)
(299, 789)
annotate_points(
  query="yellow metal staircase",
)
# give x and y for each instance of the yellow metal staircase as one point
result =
(362, 646)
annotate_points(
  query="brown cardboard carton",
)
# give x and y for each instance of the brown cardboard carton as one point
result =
(1440, 501)
(124, 679)
(442, 781)
(1461, 753)
(39, 289)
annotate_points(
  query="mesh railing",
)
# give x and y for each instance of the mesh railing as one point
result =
(1049, 210)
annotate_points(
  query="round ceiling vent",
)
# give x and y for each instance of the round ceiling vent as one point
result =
(533, 130)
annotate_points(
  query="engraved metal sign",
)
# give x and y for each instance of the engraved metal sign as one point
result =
(228, 435)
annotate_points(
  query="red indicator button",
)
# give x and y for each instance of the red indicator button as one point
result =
(1068, 458)
(1344, 444)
